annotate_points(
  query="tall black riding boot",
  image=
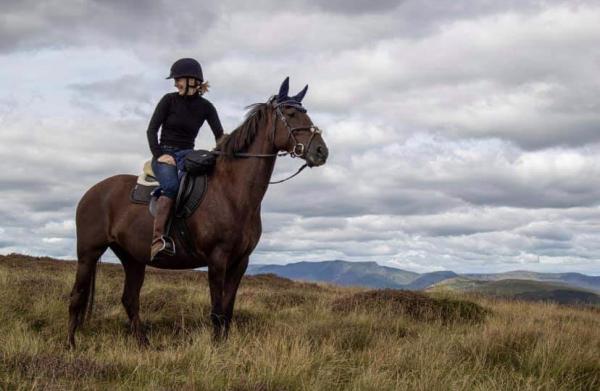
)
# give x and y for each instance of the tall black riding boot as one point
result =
(163, 209)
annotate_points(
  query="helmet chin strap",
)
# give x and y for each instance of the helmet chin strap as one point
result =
(188, 88)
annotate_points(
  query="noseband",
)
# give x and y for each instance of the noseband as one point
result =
(298, 148)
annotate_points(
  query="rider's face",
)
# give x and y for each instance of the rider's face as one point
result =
(180, 85)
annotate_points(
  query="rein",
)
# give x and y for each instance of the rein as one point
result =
(297, 150)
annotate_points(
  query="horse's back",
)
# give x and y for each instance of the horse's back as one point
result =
(96, 197)
(105, 209)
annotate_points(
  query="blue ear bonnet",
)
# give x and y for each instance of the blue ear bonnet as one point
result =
(282, 98)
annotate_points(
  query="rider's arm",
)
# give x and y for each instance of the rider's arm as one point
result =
(214, 122)
(160, 114)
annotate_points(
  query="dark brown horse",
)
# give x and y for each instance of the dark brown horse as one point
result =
(225, 228)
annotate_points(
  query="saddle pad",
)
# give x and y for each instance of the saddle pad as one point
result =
(147, 180)
(141, 193)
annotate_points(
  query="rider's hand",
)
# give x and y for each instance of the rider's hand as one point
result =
(166, 159)
(220, 141)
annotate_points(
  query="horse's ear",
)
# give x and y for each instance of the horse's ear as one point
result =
(284, 89)
(300, 96)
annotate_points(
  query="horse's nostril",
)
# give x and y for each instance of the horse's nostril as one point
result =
(322, 151)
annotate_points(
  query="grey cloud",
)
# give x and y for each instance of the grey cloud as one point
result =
(404, 81)
(527, 195)
(31, 24)
(348, 200)
(547, 231)
(552, 248)
(510, 86)
(53, 203)
(67, 23)
(427, 177)
(357, 6)
(462, 134)
(5, 243)
(499, 250)
(24, 184)
(126, 87)
(129, 96)
(496, 176)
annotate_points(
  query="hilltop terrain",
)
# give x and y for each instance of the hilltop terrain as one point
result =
(287, 336)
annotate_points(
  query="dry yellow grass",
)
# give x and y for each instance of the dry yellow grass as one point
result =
(287, 337)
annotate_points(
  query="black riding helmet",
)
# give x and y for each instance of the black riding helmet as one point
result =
(186, 67)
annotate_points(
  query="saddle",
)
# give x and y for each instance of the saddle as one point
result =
(189, 196)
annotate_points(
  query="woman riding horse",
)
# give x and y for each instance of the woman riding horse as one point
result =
(181, 114)
(224, 229)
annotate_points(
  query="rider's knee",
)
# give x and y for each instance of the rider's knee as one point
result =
(169, 189)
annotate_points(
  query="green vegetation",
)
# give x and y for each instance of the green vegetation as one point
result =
(288, 336)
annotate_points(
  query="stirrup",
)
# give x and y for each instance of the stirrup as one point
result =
(167, 248)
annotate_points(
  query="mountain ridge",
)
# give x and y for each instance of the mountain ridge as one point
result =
(373, 275)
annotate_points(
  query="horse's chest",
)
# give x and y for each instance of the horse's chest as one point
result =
(249, 234)
(251, 231)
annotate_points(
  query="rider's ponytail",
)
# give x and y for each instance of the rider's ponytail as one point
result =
(203, 88)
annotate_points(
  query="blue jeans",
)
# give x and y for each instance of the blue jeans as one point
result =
(168, 176)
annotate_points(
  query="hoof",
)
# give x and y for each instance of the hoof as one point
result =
(143, 341)
(71, 343)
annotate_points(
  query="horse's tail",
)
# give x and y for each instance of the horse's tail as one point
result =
(82, 295)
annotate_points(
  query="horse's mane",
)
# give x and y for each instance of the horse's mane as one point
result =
(241, 138)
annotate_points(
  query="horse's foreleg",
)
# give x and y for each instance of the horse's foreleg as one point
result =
(216, 281)
(232, 282)
(134, 279)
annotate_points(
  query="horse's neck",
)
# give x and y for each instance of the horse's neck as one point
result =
(247, 178)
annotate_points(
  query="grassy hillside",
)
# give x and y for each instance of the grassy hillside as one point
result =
(520, 289)
(457, 284)
(288, 336)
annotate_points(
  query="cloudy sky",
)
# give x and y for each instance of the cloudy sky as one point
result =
(463, 135)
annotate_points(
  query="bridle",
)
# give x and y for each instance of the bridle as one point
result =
(298, 149)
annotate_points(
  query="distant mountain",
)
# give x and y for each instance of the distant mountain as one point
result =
(529, 290)
(572, 279)
(373, 275)
(427, 279)
(368, 274)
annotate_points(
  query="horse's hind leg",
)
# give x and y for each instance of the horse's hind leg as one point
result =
(87, 259)
(134, 279)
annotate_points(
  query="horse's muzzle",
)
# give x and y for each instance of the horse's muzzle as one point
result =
(317, 155)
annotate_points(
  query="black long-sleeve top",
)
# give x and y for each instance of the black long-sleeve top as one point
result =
(181, 118)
